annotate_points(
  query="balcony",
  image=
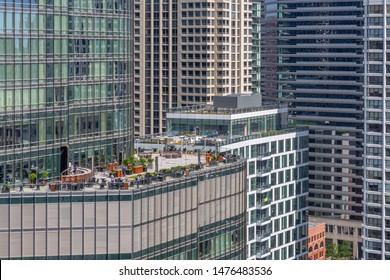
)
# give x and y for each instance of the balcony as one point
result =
(262, 219)
(261, 235)
(263, 155)
(264, 170)
(263, 203)
(263, 186)
(261, 252)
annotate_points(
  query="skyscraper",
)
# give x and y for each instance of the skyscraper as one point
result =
(65, 84)
(318, 69)
(186, 52)
(277, 167)
(376, 222)
(256, 45)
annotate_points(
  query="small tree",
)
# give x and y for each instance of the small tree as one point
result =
(5, 188)
(331, 251)
(32, 177)
(339, 252)
(45, 174)
(345, 251)
(150, 160)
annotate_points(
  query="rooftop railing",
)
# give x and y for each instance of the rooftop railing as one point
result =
(101, 181)
(209, 109)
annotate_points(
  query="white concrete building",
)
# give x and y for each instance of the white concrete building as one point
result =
(376, 203)
(277, 169)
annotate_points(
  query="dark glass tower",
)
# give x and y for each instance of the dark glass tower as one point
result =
(65, 84)
(318, 68)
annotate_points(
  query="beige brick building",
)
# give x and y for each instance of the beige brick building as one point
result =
(186, 52)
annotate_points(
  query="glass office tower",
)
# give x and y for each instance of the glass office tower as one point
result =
(65, 84)
(318, 68)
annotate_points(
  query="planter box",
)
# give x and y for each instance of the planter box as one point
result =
(138, 169)
(118, 173)
(125, 185)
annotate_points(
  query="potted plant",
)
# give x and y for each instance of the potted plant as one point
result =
(45, 175)
(150, 162)
(33, 178)
(5, 188)
(143, 163)
(126, 162)
(137, 167)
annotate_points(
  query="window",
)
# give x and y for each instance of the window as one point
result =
(251, 168)
(277, 162)
(277, 193)
(375, 9)
(281, 146)
(284, 192)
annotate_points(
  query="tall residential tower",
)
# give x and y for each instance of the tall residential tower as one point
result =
(186, 52)
(376, 222)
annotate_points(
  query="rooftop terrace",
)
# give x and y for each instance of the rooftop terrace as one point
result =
(169, 169)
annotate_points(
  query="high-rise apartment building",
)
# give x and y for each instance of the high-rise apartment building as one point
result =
(186, 52)
(256, 46)
(65, 84)
(376, 222)
(318, 68)
(277, 168)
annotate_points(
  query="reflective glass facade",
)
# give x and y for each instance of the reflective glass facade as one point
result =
(318, 68)
(65, 84)
(229, 123)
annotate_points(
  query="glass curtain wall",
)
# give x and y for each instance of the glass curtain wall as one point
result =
(65, 84)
